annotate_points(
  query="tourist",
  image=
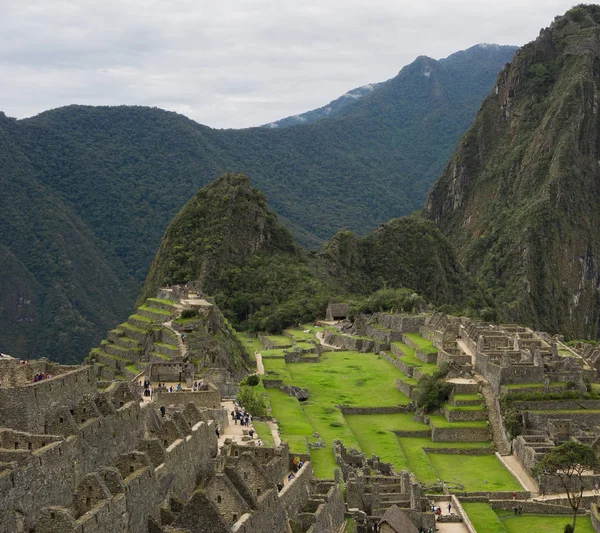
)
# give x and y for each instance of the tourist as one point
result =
(291, 476)
(596, 488)
(449, 507)
(217, 431)
(279, 487)
(162, 411)
(251, 433)
(179, 386)
(171, 388)
(300, 465)
(295, 462)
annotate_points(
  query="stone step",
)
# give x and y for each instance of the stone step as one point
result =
(115, 363)
(163, 305)
(474, 399)
(134, 332)
(158, 316)
(127, 342)
(141, 322)
(114, 334)
(156, 357)
(126, 354)
(168, 336)
(469, 415)
(169, 350)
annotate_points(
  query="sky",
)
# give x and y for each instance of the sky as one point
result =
(235, 63)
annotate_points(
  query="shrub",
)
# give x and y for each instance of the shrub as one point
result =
(252, 380)
(252, 400)
(189, 313)
(432, 391)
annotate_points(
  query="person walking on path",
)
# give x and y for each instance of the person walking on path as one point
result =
(449, 507)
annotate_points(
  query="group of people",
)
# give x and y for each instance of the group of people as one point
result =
(424, 530)
(147, 388)
(241, 415)
(41, 376)
(198, 385)
(297, 464)
(438, 510)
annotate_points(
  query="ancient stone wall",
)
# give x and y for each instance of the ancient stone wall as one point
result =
(595, 518)
(474, 434)
(330, 515)
(26, 408)
(269, 517)
(204, 398)
(401, 323)
(296, 493)
(533, 507)
(189, 459)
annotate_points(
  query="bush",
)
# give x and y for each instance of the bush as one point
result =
(432, 391)
(568, 528)
(252, 400)
(252, 380)
(189, 313)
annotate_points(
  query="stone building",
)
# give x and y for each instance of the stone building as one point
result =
(337, 312)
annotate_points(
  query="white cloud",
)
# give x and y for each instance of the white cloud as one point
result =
(235, 63)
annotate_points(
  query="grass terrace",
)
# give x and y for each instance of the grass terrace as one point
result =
(441, 422)
(486, 520)
(421, 343)
(279, 340)
(299, 335)
(264, 432)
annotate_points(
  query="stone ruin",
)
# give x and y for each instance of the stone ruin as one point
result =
(372, 488)
(82, 459)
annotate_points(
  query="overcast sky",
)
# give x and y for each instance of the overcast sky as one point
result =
(235, 63)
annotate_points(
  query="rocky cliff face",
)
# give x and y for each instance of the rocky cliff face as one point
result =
(520, 198)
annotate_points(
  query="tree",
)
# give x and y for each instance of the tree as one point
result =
(569, 461)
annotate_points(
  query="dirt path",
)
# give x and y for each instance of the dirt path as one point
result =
(320, 337)
(182, 349)
(512, 464)
(260, 368)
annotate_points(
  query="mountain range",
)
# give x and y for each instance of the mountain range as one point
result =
(87, 192)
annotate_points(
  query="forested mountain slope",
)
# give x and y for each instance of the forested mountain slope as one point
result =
(97, 186)
(520, 198)
(228, 241)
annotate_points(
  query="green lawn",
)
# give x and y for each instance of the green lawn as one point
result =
(251, 344)
(475, 472)
(264, 432)
(278, 352)
(441, 422)
(351, 378)
(300, 336)
(276, 369)
(544, 523)
(279, 340)
(375, 435)
(423, 344)
(485, 520)
(411, 359)
(294, 426)
(419, 462)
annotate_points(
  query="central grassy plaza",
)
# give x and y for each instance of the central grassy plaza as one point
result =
(349, 379)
